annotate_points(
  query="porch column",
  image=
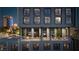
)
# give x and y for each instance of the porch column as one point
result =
(48, 34)
(25, 31)
(39, 32)
(32, 32)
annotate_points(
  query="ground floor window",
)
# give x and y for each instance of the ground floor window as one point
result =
(46, 34)
(59, 33)
(36, 33)
(26, 33)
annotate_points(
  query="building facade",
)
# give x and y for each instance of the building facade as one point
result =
(47, 27)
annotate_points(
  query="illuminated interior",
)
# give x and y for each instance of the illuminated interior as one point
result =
(45, 33)
(36, 34)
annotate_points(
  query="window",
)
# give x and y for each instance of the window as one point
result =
(57, 11)
(35, 46)
(25, 46)
(47, 46)
(46, 34)
(47, 11)
(14, 47)
(3, 47)
(68, 11)
(52, 35)
(58, 20)
(37, 11)
(37, 20)
(56, 46)
(26, 32)
(66, 46)
(64, 32)
(36, 34)
(47, 20)
(26, 11)
(26, 20)
(58, 33)
(68, 20)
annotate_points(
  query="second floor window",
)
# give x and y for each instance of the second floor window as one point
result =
(68, 11)
(47, 11)
(58, 20)
(47, 20)
(26, 11)
(37, 20)
(26, 20)
(68, 20)
(36, 11)
(58, 11)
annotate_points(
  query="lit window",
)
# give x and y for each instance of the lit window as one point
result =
(26, 20)
(37, 20)
(47, 11)
(46, 34)
(52, 35)
(58, 20)
(36, 33)
(64, 32)
(58, 33)
(68, 11)
(68, 20)
(37, 11)
(47, 20)
(26, 32)
(26, 11)
(57, 11)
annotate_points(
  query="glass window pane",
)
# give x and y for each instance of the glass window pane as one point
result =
(58, 20)
(64, 32)
(26, 20)
(27, 33)
(35, 46)
(68, 20)
(36, 34)
(37, 20)
(68, 11)
(58, 33)
(47, 20)
(46, 34)
(57, 11)
(52, 34)
(26, 11)
(56, 46)
(47, 11)
(25, 46)
(47, 46)
(37, 11)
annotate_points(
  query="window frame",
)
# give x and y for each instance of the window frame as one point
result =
(67, 13)
(46, 21)
(45, 13)
(56, 12)
(28, 13)
(60, 20)
(35, 21)
(70, 19)
(34, 12)
(25, 22)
